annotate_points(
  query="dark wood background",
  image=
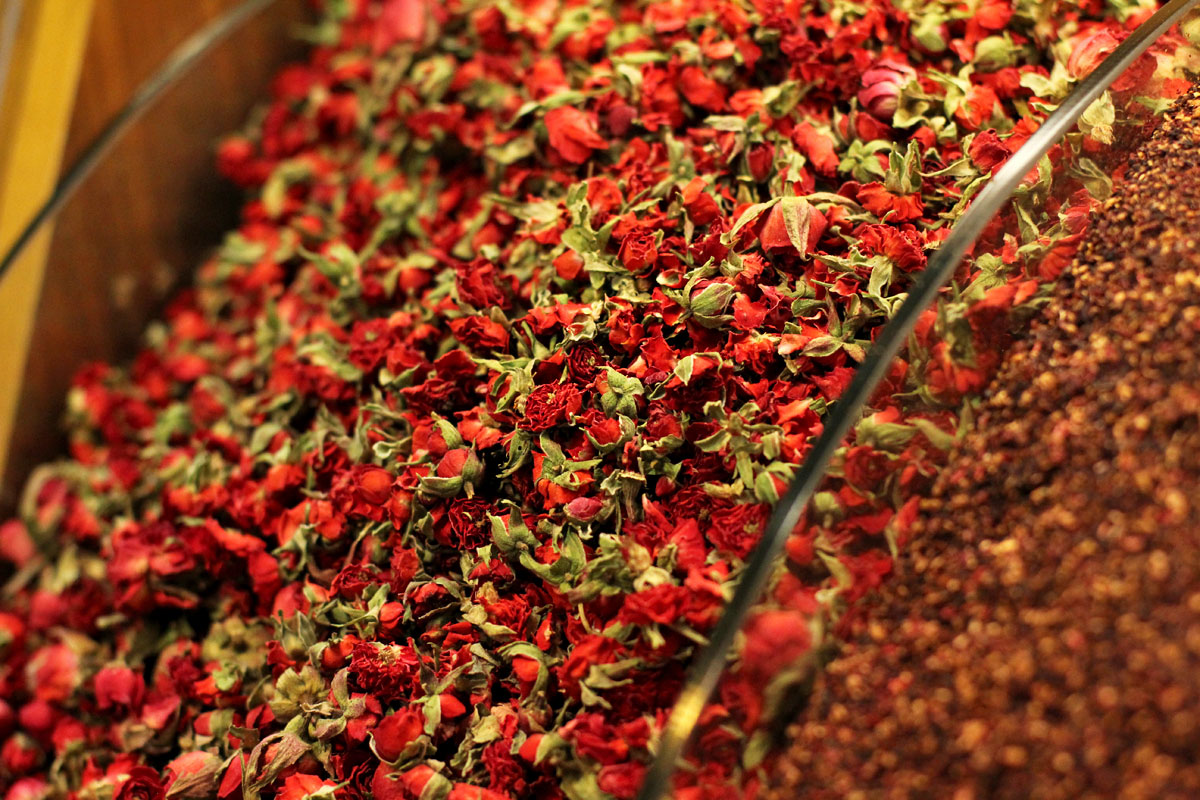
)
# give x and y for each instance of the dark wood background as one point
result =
(147, 216)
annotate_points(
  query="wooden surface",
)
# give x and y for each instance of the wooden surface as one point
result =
(35, 111)
(152, 211)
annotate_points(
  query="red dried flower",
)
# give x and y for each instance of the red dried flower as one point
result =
(143, 783)
(638, 251)
(573, 134)
(550, 404)
(397, 731)
(119, 686)
(466, 524)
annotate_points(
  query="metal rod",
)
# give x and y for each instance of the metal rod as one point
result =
(709, 666)
(178, 64)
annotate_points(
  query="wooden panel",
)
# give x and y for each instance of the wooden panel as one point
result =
(35, 109)
(145, 218)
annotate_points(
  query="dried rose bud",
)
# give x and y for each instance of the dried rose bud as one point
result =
(761, 159)
(881, 85)
(193, 775)
(37, 717)
(584, 509)
(374, 485)
(419, 781)
(775, 639)
(1089, 50)
(53, 672)
(621, 780)
(31, 788)
(303, 785)
(67, 733)
(295, 690)
(465, 791)
(452, 707)
(527, 671)
(396, 732)
(620, 118)
(700, 205)
(119, 686)
(391, 617)
(460, 463)
(143, 783)
(16, 545)
(568, 265)
(638, 251)
(573, 134)
(20, 754)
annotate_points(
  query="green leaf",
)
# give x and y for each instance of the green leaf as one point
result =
(1098, 120)
(881, 277)
(887, 436)
(939, 438)
(822, 346)
(764, 488)
(797, 216)
(841, 575)
(684, 368)
(749, 215)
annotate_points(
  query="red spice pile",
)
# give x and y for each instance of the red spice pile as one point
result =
(433, 483)
(1042, 639)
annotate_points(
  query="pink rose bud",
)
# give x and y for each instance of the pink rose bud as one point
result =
(584, 509)
(881, 85)
(31, 788)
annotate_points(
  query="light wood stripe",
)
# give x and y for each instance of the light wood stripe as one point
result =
(35, 114)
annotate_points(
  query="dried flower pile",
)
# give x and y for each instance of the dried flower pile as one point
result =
(432, 484)
(1043, 639)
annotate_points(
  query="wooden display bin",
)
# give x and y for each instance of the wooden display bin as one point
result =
(87, 285)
